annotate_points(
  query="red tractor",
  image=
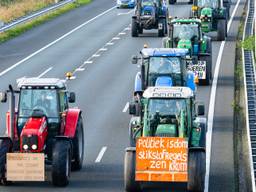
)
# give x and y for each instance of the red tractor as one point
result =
(41, 124)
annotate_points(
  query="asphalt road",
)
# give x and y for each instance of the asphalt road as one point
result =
(99, 52)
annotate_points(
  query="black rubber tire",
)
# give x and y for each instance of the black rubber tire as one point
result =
(196, 171)
(61, 163)
(140, 30)
(161, 31)
(134, 28)
(5, 147)
(208, 79)
(78, 146)
(130, 184)
(222, 29)
(172, 2)
(190, 2)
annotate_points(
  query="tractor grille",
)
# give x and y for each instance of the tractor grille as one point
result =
(29, 140)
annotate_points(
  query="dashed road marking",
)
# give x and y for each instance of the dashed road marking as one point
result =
(126, 107)
(100, 155)
(46, 71)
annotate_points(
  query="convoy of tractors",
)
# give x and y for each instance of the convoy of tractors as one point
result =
(167, 130)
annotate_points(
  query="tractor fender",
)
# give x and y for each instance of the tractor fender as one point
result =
(138, 83)
(72, 118)
(190, 79)
(130, 149)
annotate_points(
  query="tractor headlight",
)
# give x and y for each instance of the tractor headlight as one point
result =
(34, 147)
(194, 8)
(25, 147)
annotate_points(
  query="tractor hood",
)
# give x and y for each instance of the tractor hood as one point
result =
(206, 11)
(168, 130)
(184, 43)
(34, 133)
(147, 10)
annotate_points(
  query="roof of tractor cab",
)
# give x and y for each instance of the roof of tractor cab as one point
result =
(164, 52)
(188, 21)
(41, 82)
(168, 92)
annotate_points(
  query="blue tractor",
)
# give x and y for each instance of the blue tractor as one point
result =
(150, 14)
(163, 67)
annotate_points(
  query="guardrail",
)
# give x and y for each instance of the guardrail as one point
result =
(250, 92)
(34, 15)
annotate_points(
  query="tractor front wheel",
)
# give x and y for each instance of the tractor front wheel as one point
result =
(78, 146)
(196, 171)
(61, 163)
(134, 28)
(222, 29)
(5, 147)
(129, 172)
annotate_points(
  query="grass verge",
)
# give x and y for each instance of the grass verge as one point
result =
(14, 32)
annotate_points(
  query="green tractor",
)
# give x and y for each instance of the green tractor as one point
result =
(187, 33)
(166, 112)
(214, 15)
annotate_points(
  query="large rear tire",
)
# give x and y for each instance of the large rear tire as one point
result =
(129, 172)
(172, 2)
(222, 29)
(78, 146)
(61, 163)
(196, 171)
(134, 28)
(5, 147)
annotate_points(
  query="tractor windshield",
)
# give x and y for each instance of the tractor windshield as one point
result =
(164, 66)
(148, 3)
(40, 99)
(208, 3)
(164, 117)
(186, 31)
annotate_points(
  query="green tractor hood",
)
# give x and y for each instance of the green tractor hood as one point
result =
(206, 11)
(185, 43)
(168, 130)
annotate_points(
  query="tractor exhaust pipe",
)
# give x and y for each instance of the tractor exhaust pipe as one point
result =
(12, 111)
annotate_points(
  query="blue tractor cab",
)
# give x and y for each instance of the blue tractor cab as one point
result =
(163, 67)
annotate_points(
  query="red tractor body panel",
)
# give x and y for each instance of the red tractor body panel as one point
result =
(71, 122)
(37, 128)
(8, 127)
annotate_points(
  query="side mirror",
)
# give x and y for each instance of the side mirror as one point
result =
(134, 109)
(200, 109)
(72, 97)
(3, 97)
(135, 59)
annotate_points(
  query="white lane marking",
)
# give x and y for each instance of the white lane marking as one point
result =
(100, 155)
(54, 42)
(110, 43)
(46, 71)
(212, 104)
(121, 33)
(116, 38)
(71, 78)
(126, 13)
(88, 62)
(80, 69)
(126, 107)
(103, 49)
(95, 55)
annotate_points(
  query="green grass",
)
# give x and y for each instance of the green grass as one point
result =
(14, 32)
(249, 43)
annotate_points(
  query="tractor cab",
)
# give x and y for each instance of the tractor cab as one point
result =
(42, 97)
(186, 33)
(162, 67)
(213, 15)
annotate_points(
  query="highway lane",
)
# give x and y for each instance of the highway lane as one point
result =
(103, 89)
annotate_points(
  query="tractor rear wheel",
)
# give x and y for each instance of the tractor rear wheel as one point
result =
(129, 172)
(61, 163)
(172, 1)
(134, 28)
(5, 147)
(162, 28)
(222, 29)
(140, 30)
(208, 78)
(78, 146)
(196, 171)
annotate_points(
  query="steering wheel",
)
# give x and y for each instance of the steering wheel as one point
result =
(41, 109)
